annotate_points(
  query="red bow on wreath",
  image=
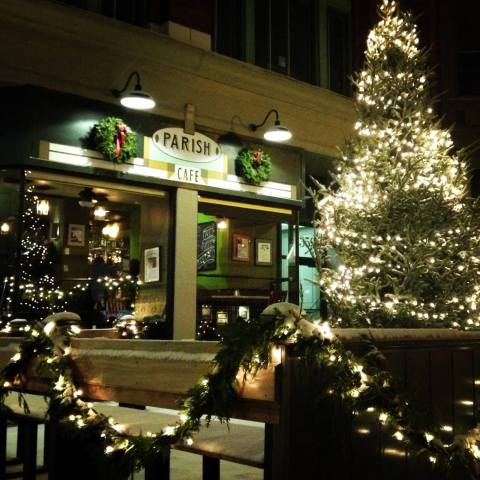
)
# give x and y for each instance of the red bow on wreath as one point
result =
(257, 156)
(120, 138)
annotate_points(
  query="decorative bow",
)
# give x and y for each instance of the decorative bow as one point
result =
(257, 156)
(120, 138)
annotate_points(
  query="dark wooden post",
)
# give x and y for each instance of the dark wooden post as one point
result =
(3, 446)
(158, 468)
(210, 468)
(29, 455)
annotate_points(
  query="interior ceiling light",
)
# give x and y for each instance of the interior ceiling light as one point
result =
(136, 98)
(87, 198)
(111, 230)
(5, 228)
(100, 212)
(277, 133)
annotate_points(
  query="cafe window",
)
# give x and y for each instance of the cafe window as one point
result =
(238, 265)
(92, 248)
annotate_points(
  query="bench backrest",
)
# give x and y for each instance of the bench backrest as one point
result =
(153, 372)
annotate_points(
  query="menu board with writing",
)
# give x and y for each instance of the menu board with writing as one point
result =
(206, 246)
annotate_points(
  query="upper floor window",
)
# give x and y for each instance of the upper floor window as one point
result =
(468, 53)
(130, 11)
(309, 40)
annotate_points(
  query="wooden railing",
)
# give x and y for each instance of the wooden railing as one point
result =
(441, 368)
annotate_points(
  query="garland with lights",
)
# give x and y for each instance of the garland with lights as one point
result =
(114, 140)
(254, 165)
(355, 384)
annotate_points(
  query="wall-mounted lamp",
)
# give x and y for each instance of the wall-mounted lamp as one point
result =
(277, 133)
(136, 98)
(43, 207)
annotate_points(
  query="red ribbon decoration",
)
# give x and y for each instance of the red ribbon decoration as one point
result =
(257, 157)
(120, 138)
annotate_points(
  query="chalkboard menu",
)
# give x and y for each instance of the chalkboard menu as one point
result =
(206, 246)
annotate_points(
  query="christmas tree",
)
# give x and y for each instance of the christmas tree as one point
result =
(397, 217)
(39, 295)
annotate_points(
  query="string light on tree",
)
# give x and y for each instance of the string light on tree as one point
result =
(398, 215)
(40, 295)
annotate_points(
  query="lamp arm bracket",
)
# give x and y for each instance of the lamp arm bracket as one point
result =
(254, 127)
(117, 93)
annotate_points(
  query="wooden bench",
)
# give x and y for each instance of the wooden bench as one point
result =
(157, 373)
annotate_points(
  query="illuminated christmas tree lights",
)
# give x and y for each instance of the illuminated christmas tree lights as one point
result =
(39, 294)
(397, 214)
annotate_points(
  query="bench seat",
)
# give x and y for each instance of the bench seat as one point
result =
(240, 442)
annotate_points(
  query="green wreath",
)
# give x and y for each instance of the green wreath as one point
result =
(114, 140)
(254, 166)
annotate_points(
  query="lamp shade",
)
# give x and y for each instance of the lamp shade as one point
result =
(137, 100)
(277, 133)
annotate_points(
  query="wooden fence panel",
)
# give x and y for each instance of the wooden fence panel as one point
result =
(441, 375)
(366, 444)
(418, 385)
(394, 454)
(463, 384)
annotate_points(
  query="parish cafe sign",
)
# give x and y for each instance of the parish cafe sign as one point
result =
(196, 148)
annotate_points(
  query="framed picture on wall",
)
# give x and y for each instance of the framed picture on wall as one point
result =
(241, 247)
(76, 235)
(151, 265)
(263, 252)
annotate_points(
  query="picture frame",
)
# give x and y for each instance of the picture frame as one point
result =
(263, 252)
(151, 265)
(241, 247)
(222, 317)
(76, 235)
